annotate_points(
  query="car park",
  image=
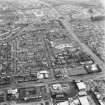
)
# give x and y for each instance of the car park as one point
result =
(85, 59)
(34, 77)
(97, 18)
(27, 78)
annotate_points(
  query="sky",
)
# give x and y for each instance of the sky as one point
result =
(31, 1)
(103, 2)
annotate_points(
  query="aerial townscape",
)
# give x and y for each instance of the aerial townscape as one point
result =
(52, 52)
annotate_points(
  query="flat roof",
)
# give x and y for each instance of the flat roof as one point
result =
(84, 100)
(63, 103)
(81, 85)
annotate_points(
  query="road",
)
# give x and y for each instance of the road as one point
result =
(48, 56)
(49, 81)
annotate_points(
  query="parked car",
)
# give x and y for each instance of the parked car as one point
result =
(98, 18)
(19, 78)
(5, 80)
(34, 77)
(43, 74)
(58, 75)
(85, 60)
(2, 97)
(27, 78)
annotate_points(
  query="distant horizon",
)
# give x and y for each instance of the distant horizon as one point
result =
(58, 1)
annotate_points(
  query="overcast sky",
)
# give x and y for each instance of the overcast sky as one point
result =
(29, 1)
(103, 2)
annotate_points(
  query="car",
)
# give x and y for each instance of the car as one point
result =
(27, 78)
(56, 86)
(86, 60)
(2, 81)
(77, 81)
(57, 61)
(5, 80)
(19, 78)
(58, 75)
(2, 97)
(59, 95)
(32, 98)
(97, 18)
(34, 77)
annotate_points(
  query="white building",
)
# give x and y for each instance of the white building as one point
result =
(81, 85)
(63, 103)
(43, 74)
(84, 100)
